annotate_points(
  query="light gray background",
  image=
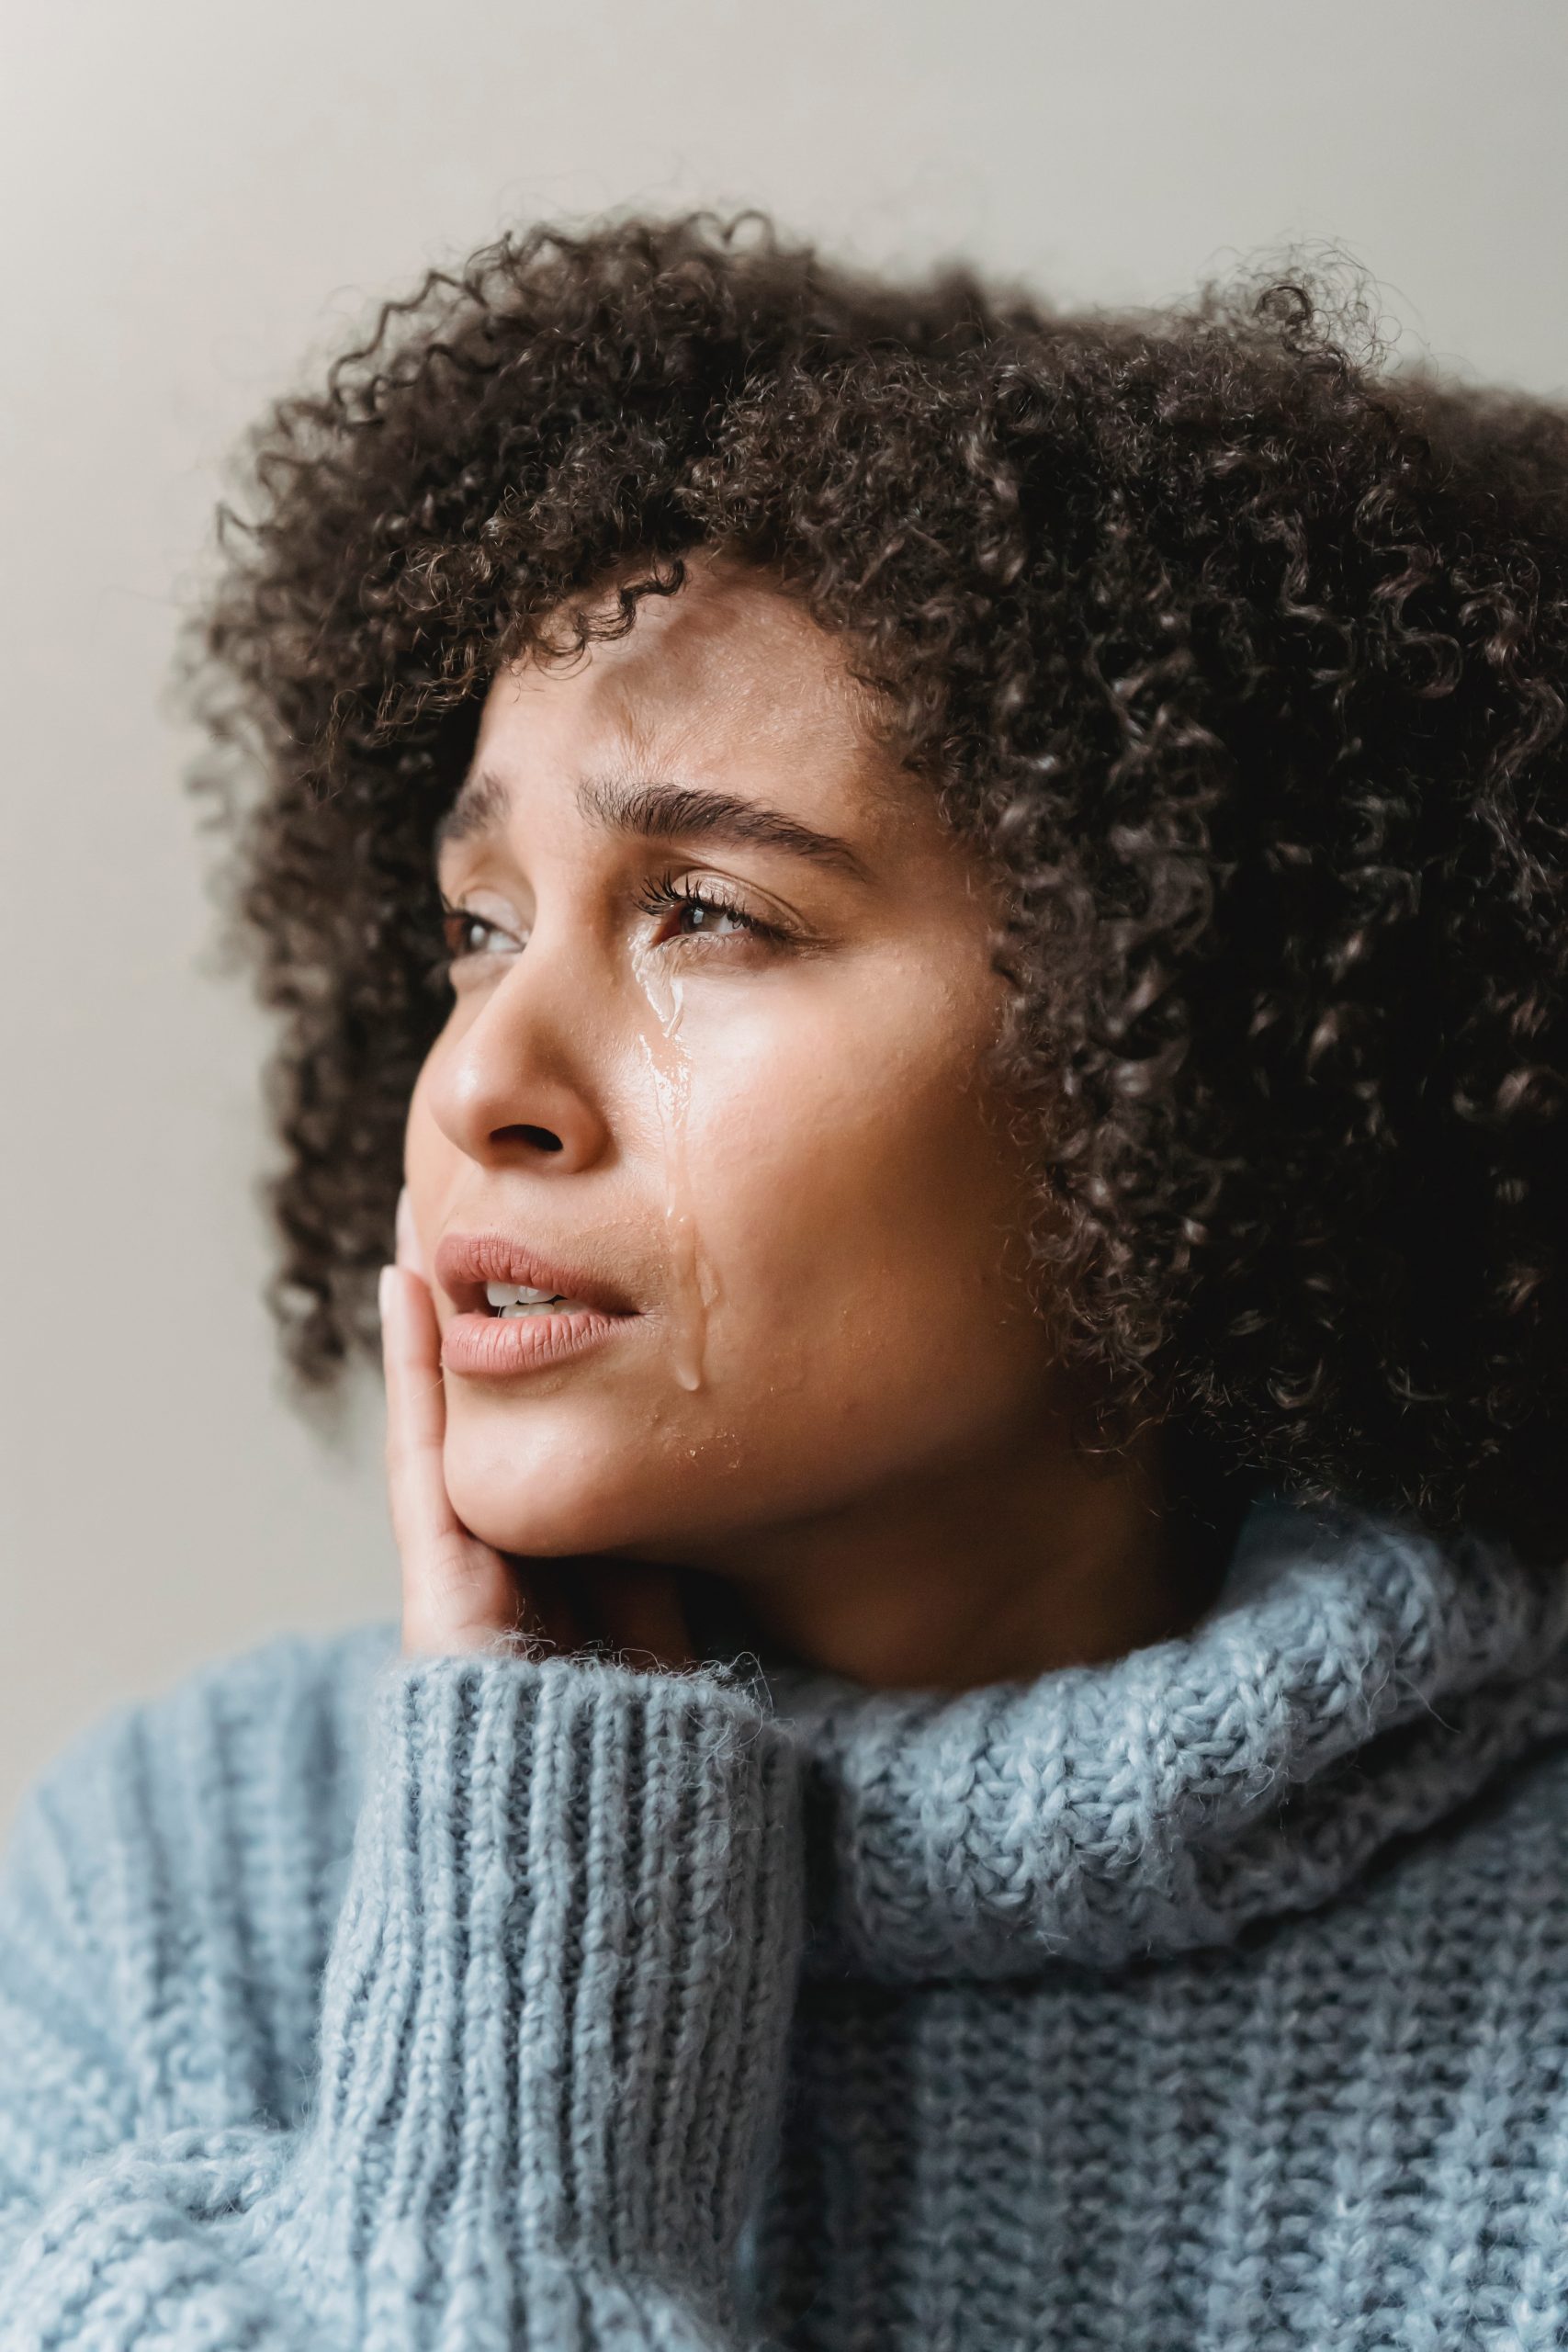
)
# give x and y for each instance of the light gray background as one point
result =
(199, 196)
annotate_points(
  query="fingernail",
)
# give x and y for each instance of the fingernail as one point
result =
(384, 1281)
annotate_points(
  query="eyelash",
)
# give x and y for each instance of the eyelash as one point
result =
(455, 921)
(654, 898)
(667, 892)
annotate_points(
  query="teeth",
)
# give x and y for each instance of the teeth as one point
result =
(518, 1298)
(548, 1306)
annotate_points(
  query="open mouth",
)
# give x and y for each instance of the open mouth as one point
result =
(556, 1309)
(517, 1299)
(495, 1279)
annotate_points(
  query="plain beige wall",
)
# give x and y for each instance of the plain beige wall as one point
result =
(198, 195)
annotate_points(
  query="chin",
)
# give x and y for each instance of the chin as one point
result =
(551, 1525)
(568, 1500)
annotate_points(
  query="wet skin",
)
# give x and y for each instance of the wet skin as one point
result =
(744, 1081)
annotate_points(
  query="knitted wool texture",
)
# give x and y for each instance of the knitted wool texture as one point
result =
(1214, 1997)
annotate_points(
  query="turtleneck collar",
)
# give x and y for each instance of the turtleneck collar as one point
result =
(1352, 1681)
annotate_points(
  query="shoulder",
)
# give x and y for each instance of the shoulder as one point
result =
(1478, 1885)
(293, 1693)
(242, 1759)
(1518, 1818)
(178, 1867)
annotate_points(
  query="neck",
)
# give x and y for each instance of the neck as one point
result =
(1001, 1572)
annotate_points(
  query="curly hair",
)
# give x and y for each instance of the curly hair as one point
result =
(1240, 654)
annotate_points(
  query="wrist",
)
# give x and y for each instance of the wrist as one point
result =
(562, 1977)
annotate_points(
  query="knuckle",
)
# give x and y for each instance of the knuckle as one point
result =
(452, 1572)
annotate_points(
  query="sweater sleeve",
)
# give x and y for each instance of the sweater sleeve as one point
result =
(551, 2049)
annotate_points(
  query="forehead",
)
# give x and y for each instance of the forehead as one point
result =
(728, 671)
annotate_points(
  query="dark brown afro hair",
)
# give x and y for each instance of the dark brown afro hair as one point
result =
(1241, 654)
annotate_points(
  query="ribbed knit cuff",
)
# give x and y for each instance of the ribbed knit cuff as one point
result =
(555, 2008)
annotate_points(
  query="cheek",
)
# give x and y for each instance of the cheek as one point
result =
(430, 1164)
(859, 1205)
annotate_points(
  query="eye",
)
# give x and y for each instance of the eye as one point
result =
(704, 912)
(708, 916)
(466, 933)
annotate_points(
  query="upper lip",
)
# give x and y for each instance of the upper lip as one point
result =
(465, 1262)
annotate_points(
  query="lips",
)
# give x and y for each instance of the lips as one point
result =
(465, 1262)
(483, 1345)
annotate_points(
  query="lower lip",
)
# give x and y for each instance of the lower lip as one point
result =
(498, 1347)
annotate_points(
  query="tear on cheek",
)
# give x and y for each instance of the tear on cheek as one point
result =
(692, 1281)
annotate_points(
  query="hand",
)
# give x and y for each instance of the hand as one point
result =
(459, 1593)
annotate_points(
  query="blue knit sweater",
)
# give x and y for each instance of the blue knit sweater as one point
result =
(1215, 1997)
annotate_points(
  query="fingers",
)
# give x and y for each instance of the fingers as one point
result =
(416, 1413)
(457, 1590)
(408, 1253)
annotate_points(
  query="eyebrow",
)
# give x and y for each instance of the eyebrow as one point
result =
(655, 810)
(479, 808)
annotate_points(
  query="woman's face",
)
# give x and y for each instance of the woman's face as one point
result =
(722, 1001)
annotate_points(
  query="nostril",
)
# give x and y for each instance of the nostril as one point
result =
(540, 1137)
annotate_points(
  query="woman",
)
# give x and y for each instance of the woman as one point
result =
(955, 917)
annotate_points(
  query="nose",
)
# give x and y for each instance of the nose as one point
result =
(518, 1085)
